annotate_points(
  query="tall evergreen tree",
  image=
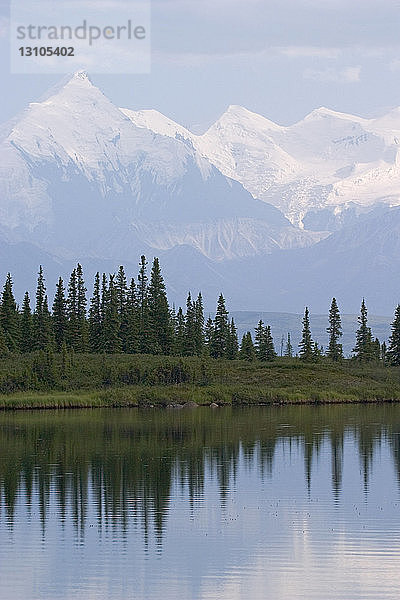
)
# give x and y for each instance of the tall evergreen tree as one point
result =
(270, 353)
(122, 297)
(121, 287)
(132, 320)
(335, 350)
(233, 342)
(60, 316)
(41, 317)
(199, 325)
(363, 350)
(144, 317)
(190, 327)
(95, 317)
(393, 352)
(111, 324)
(289, 347)
(260, 342)
(221, 330)
(306, 344)
(247, 350)
(82, 331)
(26, 328)
(72, 312)
(9, 317)
(159, 313)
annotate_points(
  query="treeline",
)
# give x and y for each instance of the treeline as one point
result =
(134, 317)
(367, 348)
(121, 317)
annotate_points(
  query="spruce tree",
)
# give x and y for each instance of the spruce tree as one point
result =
(144, 318)
(111, 324)
(26, 327)
(190, 327)
(199, 325)
(122, 295)
(260, 342)
(270, 353)
(233, 342)
(221, 330)
(335, 350)
(289, 347)
(72, 312)
(48, 327)
(82, 329)
(363, 349)
(393, 352)
(132, 320)
(60, 316)
(42, 326)
(95, 318)
(159, 313)
(9, 317)
(306, 344)
(247, 350)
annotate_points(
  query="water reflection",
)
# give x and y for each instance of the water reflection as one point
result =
(226, 487)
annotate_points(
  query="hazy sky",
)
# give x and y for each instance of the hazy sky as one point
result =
(279, 58)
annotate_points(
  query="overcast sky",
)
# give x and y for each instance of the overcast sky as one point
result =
(279, 58)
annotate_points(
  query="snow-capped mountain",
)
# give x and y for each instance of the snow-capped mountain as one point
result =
(79, 177)
(244, 208)
(329, 161)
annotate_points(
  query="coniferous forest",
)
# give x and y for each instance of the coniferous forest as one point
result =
(127, 334)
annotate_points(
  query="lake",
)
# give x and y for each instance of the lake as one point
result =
(219, 504)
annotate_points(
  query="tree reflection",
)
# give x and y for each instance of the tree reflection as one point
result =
(126, 464)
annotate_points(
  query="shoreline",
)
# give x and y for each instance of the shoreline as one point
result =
(100, 399)
(91, 381)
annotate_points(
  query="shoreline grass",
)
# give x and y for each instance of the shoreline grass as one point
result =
(93, 381)
(171, 397)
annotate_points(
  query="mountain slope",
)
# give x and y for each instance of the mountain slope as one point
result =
(79, 178)
(328, 161)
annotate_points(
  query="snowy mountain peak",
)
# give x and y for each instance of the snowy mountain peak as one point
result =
(79, 84)
(323, 113)
(238, 115)
(81, 76)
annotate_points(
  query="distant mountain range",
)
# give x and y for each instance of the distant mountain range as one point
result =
(275, 217)
(318, 171)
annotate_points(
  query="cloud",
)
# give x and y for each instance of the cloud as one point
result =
(331, 75)
(309, 52)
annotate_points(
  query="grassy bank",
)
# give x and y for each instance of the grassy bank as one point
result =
(40, 381)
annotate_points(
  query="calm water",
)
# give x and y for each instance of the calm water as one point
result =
(221, 504)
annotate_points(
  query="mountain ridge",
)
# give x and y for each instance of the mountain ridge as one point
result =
(83, 180)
